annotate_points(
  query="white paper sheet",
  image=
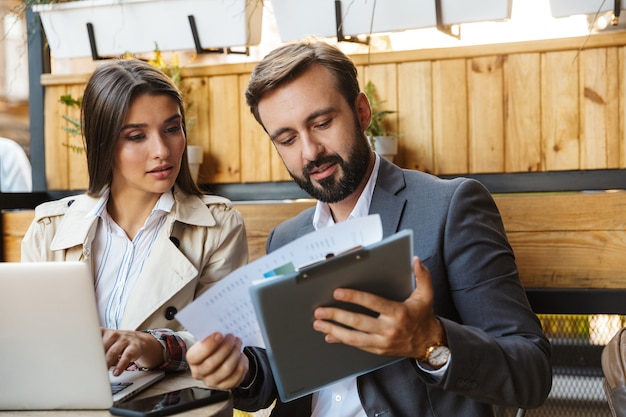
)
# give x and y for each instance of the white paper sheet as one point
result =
(226, 306)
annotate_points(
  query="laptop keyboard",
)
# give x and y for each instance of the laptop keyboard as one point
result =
(118, 386)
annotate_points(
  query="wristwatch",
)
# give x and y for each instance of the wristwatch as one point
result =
(437, 355)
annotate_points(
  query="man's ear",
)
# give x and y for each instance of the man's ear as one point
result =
(363, 110)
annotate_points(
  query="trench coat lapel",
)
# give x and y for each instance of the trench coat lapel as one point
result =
(167, 270)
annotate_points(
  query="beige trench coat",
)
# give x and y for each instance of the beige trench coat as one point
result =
(203, 240)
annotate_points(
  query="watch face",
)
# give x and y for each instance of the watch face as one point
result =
(439, 356)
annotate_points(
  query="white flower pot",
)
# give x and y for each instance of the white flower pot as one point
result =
(297, 19)
(565, 8)
(137, 26)
(385, 146)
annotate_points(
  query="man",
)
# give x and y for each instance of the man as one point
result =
(468, 335)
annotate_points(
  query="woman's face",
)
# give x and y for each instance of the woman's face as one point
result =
(150, 147)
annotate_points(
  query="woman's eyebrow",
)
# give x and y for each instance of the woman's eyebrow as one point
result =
(140, 125)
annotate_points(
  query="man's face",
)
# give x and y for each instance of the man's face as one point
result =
(318, 135)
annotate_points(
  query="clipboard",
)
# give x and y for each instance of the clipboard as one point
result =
(302, 362)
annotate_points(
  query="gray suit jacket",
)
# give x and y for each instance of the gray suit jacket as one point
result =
(499, 353)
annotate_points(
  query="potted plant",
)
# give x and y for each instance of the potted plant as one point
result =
(380, 138)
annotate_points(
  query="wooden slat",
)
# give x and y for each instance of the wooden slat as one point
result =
(450, 125)
(559, 111)
(78, 176)
(567, 240)
(260, 219)
(14, 225)
(415, 124)
(255, 143)
(570, 259)
(598, 108)
(385, 80)
(522, 94)
(279, 171)
(568, 211)
(621, 114)
(56, 153)
(16, 222)
(196, 96)
(485, 114)
(225, 163)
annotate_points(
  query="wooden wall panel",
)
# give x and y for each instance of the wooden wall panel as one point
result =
(621, 114)
(598, 108)
(570, 259)
(224, 137)
(260, 219)
(486, 110)
(415, 124)
(255, 143)
(196, 96)
(14, 225)
(533, 106)
(559, 240)
(450, 125)
(560, 111)
(279, 172)
(385, 79)
(56, 153)
(522, 110)
(78, 176)
(566, 211)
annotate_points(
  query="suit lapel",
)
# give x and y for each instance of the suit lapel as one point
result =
(386, 200)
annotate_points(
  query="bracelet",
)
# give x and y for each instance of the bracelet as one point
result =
(161, 339)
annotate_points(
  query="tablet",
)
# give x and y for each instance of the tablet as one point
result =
(301, 360)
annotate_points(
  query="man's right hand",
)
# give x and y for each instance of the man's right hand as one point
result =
(218, 361)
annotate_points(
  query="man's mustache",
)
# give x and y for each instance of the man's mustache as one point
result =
(328, 159)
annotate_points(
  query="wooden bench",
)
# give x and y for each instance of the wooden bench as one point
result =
(562, 240)
(260, 219)
(567, 230)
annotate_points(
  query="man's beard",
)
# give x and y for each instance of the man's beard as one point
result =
(330, 189)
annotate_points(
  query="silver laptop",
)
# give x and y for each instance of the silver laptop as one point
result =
(51, 351)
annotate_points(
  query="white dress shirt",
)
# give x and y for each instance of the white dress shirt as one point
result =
(118, 261)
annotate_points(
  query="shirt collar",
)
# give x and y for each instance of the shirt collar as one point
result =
(165, 203)
(323, 217)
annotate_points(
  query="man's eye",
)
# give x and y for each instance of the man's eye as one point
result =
(323, 125)
(288, 140)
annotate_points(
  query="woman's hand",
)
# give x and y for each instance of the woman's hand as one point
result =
(124, 347)
(218, 361)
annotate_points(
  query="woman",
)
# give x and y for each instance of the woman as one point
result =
(154, 242)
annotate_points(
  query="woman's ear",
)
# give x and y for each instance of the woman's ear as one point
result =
(363, 110)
